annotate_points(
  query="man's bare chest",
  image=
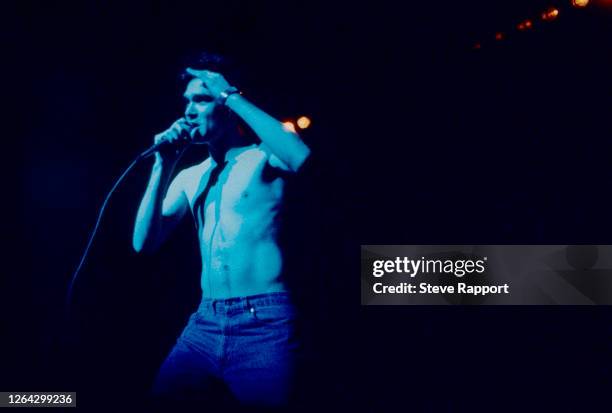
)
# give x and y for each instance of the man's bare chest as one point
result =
(244, 187)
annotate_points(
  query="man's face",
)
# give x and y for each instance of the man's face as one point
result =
(201, 111)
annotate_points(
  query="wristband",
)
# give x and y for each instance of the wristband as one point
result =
(227, 93)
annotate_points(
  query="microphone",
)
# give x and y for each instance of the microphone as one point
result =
(165, 143)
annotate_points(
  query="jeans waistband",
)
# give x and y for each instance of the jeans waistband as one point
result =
(235, 305)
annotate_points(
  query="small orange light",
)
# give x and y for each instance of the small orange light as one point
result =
(289, 126)
(303, 122)
(499, 36)
(580, 3)
(550, 14)
(524, 25)
(477, 46)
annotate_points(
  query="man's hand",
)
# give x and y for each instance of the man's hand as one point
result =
(178, 135)
(213, 81)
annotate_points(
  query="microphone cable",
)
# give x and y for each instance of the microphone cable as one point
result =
(95, 229)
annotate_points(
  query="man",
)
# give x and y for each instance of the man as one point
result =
(243, 331)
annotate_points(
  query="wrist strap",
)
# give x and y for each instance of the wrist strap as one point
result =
(227, 93)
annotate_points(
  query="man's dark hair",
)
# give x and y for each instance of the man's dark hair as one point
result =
(213, 62)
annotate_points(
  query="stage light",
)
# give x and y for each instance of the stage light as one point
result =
(303, 122)
(550, 14)
(527, 24)
(477, 46)
(499, 36)
(289, 126)
(580, 3)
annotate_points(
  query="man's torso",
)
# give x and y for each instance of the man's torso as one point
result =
(236, 207)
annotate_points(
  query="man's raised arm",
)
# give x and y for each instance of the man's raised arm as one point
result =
(286, 145)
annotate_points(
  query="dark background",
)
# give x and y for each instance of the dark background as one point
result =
(418, 139)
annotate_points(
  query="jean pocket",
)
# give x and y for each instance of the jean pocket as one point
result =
(274, 314)
(200, 317)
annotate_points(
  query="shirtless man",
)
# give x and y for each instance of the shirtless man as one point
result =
(242, 332)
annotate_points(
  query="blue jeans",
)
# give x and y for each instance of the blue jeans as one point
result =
(246, 343)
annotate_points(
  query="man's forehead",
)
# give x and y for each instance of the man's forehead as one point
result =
(196, 87)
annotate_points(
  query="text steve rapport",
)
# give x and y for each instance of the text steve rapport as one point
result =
(427, 288)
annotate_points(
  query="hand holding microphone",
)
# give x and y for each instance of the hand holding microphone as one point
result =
(170, 144)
